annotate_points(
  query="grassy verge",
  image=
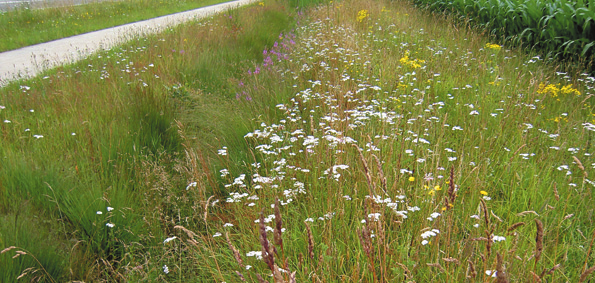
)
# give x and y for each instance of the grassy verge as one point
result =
(25, 26)
(411, 149)
(372, 143)
(94, 171)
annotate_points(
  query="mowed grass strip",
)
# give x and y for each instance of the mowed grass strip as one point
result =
(26, 26)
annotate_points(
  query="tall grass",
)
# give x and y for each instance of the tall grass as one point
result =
(411, 150)
(558, 29)
(371, 142)
(83, 146)
(25, 26)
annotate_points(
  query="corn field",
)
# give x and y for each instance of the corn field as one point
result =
(559, 29)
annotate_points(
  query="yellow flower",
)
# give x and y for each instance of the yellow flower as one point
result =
(493, 46)
(437, 188)
(431, 192)
(362, 15)
(411, 179)
(483, 193)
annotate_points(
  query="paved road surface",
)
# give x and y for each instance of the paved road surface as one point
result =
(30, 61)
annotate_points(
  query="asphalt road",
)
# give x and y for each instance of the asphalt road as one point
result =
(33, 60)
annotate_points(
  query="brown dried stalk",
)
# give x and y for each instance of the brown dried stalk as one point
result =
(580, 166)
(452, 259)
(549, 272)
(514, 226)
(501, 276)
(189, 233)
(489, 229)
(235, 251)
(371, 184)
(451, 190)
(278, 226)
(556, 195)
(8, 249)
(407, 272)
(240, 275)
(535, 277)
(538, 240)
(267, 250)
(310, 241)
(365, 240)
(486, 217)
(471, 273)
(207, 208)
(586, 274)
(381, 172)
(260, 280)
(590, 249)
(437, 265)
(277, 275)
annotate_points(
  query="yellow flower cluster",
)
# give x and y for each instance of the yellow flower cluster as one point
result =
(556, 90)
(415, 63)
(493, 46)
(362, 15)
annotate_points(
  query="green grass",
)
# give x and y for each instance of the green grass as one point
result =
(400, 146)
(109, 133)
(26, 26)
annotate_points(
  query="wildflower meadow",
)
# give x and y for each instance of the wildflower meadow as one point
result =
(340, 141)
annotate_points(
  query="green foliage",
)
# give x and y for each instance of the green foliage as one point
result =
(25, 26)
(559, 29)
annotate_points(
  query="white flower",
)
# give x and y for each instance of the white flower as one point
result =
(6, 121)
(474, 112)
(193, 184)
(309, 220)
(99, 212)
(256, 254)
(165, 269)
(111, 225)
(496, 238)
(222, 151)
(37, 136)
(217, 235)
(169, 239)
(109, 208)
(227, 225)
(424, 242)
(491, 272)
